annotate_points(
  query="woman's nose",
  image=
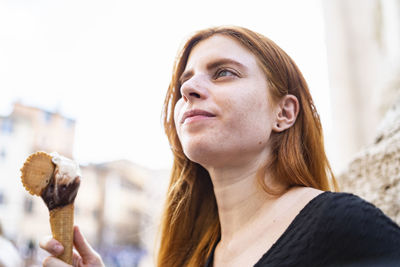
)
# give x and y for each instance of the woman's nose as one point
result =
(194, 89)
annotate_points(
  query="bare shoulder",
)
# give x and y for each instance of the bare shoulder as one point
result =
(303, 195)
(310, 192)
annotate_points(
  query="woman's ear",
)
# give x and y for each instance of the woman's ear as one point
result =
(286, 113)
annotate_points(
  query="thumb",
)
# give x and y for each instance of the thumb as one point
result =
(82, 246)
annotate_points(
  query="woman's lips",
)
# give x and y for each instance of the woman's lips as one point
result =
(195, 114)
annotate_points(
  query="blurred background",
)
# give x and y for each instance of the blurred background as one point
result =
(88, 79)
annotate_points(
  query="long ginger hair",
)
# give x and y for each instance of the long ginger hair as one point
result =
(190, 225)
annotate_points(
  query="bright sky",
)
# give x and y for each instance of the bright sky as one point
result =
(107, 64)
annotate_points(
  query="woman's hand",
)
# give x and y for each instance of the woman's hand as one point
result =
(86, 256)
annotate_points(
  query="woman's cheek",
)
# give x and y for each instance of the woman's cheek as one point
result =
(177, 111)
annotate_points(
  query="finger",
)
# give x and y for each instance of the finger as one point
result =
(51, 245)
(76, 259)
(54, 262)
(82, 246)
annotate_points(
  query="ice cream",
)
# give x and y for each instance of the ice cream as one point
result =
(56, 179)
(64, 183)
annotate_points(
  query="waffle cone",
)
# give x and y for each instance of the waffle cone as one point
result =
(62, 224)
(36, 172)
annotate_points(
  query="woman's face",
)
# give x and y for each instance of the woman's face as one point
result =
(224, 116)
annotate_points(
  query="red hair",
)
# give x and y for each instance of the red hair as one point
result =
(190, 225)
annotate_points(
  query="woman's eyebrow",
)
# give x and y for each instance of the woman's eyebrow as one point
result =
(224, 61)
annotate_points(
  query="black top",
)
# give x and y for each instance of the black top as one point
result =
(335, 229)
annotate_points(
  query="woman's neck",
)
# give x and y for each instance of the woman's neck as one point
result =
(240, 198)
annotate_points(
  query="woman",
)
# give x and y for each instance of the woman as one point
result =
(250, 170)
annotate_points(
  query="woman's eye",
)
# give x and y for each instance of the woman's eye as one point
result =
(224, 73)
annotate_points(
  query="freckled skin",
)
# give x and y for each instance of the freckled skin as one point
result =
(244, 115)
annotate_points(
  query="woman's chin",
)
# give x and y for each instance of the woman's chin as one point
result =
(207, 157)
(200, 155)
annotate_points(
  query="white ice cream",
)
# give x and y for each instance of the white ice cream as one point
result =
(67, 170)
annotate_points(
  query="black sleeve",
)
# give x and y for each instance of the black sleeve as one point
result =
(356, 233)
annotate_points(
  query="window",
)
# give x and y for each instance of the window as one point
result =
(3, 154)
(69, 123)
(47, 116)
(7, 126)
(28, 205)
(1, 197)
(129, 185)
(96, 214)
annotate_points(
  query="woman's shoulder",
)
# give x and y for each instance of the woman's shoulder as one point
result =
(351, 229)
(349, 210)
(337, 229)
(350, 206)
(349, 220)
(344, 219)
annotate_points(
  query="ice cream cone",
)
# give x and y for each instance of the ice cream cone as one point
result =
(62, 228)
(36, 172)
(56, 180)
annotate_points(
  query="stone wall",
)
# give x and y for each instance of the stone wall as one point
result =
(374, 173)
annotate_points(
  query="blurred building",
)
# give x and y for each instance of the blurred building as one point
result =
(50, 131)
(113, 194)
(114, 207)
(14, 145)
(124, 201)
(25, 130)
